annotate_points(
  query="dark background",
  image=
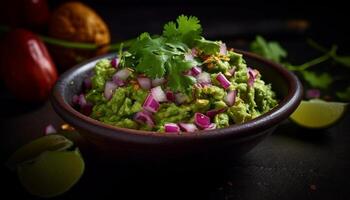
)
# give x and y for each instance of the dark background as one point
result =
(293, 163)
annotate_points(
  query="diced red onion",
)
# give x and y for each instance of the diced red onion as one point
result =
(171, 128)
(144, 117)
(212, 113)
(85, 107)
(252, 74)
(115, 62)
(201, 120)
(50, 129)
(211, 126)
(144, 82)
(110, 86)
(157, 81)
(122, 74)
(118, 81)
(180, 98)
(204, 78)
(232, 71)
(230, 98)
(151, 104)
(223, 81)
(313, 93)
(195, 71)
(170, 96)
(223, 49)
(194, 52)
(188, 127)
(87, 83)
(158, 94)
(188, 56)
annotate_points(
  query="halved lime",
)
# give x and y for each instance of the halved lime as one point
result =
(33, 149)
(317, 114)
(52, 173)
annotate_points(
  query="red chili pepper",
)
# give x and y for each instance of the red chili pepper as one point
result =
(27, 67)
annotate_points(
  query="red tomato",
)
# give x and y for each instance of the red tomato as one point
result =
(27, 68)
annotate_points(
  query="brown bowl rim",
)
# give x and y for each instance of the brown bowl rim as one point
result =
(282, 111)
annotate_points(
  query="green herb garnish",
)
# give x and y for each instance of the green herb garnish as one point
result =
(164, 56)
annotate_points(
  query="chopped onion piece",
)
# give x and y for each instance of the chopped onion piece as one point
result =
(201, 120)
(194, 52)
(151, 104)
(110, 86)
(204, 78)
(158, 81)
(211, 126)
(171, 128)
(188, 127)
(230, 98)
(144, 117)
(212, 113)
(195, 71)
(122, 74)
(223, 81)
(85, 107)
(115, 62)
(232, 71)
(252, 74)
(188, 56)
(158, 94)
(170, 96)
(223, 49)
(144, 82)
(50, 129)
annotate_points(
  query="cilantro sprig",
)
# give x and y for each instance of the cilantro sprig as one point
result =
(272, 50)
(164, 56)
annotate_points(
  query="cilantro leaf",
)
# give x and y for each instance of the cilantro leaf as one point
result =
(321, 81)
(270, 50)
(176, 79)
(187, 30)
(207, 46)
(152, 65)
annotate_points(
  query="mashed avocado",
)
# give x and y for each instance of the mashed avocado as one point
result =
(177, 81)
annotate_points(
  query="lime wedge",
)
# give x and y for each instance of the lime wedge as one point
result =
(52, 173)
(317, 114)
(33, 149)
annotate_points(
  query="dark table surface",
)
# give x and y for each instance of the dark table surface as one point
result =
(292, 163)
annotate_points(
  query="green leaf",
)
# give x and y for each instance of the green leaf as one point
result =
(177, 81)
(207, 46)
(344, 60)
(269, 50)
(187, 30)
(152, 65)
(321, 81)
(344, 95)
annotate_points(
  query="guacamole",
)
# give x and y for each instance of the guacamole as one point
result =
(176, 84)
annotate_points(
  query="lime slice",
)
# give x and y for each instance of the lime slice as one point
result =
(317, 114)
(33, 149)
(52, 173)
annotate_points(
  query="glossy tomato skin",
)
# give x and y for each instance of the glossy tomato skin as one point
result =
(27, 68)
